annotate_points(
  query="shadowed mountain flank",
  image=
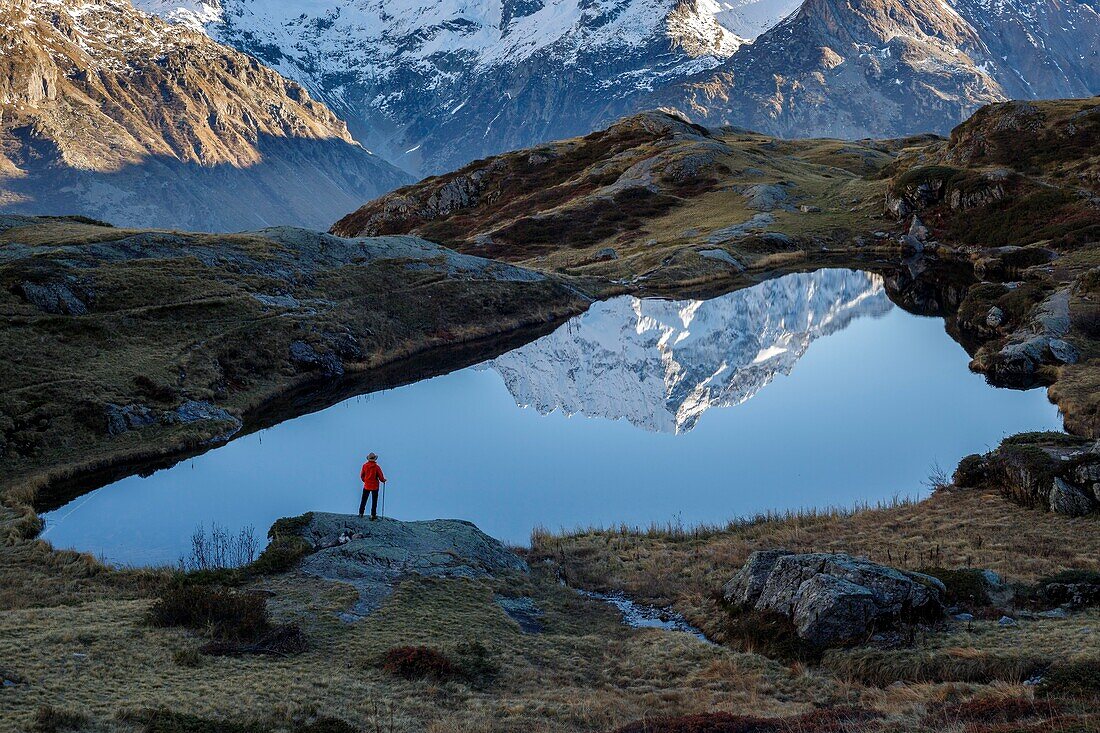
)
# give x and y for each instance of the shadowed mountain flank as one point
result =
(112, 113)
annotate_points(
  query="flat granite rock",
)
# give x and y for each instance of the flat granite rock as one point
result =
(374, 556)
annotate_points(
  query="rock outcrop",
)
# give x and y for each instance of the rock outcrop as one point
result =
(834, 599)
(1049, 471)
(373, 556)
(112, 113)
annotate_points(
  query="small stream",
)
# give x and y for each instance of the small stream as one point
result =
(638, 616)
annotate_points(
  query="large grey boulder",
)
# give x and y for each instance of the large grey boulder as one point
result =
(833, 599)
(374, 556)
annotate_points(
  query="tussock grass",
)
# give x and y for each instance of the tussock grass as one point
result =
(885, 667)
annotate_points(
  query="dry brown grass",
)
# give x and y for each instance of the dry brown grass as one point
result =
(949, 529)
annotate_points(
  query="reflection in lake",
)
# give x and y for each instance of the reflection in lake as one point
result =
(661, 364)
(871, 404)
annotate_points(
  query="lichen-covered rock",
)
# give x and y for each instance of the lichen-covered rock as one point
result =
(376, 555)
(918, 230)
(834, 599)
(54, 297)
(1069, 500)
(1088, 476)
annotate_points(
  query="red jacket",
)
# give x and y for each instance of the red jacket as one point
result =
(371, 475)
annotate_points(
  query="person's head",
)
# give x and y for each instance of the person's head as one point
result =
(372, 457)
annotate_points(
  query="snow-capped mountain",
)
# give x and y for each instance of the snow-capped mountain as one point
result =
(113, 113)
(432, 84)
(875, 68)
(661, 364)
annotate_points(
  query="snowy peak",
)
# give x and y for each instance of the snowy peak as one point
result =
(749, 18)
(432, 84)
(875, 68)
(661, 364)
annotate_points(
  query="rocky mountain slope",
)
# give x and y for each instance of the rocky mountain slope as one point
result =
(108, 112)
(661, 364)
(895, 67)
(433, 85)
(651, 200)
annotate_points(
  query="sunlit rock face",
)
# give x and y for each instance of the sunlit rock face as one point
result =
(660, 364)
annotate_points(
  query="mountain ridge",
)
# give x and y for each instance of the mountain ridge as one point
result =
(115, 114)
(432, 86)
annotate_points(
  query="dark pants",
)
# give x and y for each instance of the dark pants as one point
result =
(373, 502)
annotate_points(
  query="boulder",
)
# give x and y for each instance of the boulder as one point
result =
(607, 253)
(999, 593)
(722, 256)
(995, 317)
(54, 297)
(918, 230)
(834, 599)
(376, 555)
(124, 418)
(1064, 351)
(306, 357)
(910, 244)
(1069, 500)
(1088, 476)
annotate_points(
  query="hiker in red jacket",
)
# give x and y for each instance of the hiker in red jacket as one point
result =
(371, 473)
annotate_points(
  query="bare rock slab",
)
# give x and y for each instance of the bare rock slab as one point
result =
(373, 557)
(834, 599)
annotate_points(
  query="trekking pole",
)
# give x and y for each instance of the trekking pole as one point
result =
(384, 498)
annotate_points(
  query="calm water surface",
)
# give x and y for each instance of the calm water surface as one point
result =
(811, 390)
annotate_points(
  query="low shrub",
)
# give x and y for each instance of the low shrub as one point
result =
(1073, 677)
(162, 720)
(1072, 576)
(1043, 437)
(224, 614)
(417, 662)
(189, 657)
(49, 719)
(281, 554)
(882, 667)
(765, 632)
(289, 526)
(965, 587)
(970, 472)
(990, 710)
(475, 664)
(281, 640)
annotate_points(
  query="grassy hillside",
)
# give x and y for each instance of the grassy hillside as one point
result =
(126, 344)
(142, 345)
